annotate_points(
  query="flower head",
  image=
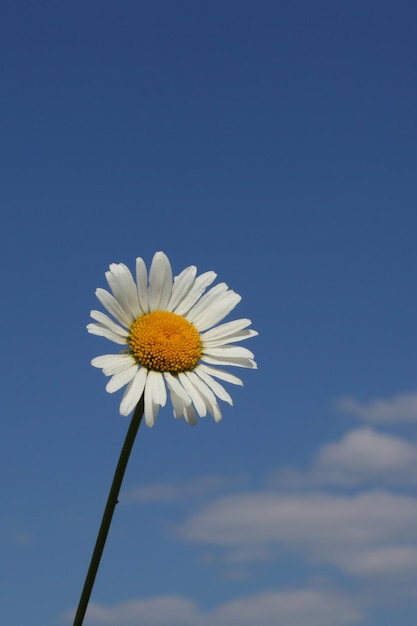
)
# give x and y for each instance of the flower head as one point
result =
(172, 338)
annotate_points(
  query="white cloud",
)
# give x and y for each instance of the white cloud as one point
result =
(158, 611)
(249, 553)
(335, 529)
(365, 455)
(174, 490)
(298, 607)
(388, 560)
(401, 407)
(361, 456)
(368, 451)
(293, 607)
(370, 535)
(20, 537)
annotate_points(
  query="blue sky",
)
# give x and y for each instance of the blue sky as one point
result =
(271, 142)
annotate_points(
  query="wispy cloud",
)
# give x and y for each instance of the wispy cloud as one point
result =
(358, 528)
(16, 533)
(325, 528)
(295, 607)
(292, 607)
(362, 456)
(400, 408)
(158, 611)
(384, 561)
(175, 490)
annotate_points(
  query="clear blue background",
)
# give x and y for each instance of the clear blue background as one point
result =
(273, 142)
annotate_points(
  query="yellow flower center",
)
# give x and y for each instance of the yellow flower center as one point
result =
(165, 342)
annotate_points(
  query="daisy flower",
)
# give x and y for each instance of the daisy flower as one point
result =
(172, 337)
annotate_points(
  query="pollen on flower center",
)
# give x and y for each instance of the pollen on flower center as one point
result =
(165, 342)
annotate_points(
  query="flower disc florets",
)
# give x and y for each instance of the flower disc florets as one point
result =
(165, 342)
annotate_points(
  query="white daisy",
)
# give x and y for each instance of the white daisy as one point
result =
(173, 339)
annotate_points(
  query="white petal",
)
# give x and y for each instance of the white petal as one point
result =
(155, 396)
(235, 361)
(113, 363)
(151, 409)
(228, 351)
(142, 284)
(227, 329)
(110, 303)
(107, 322)
(206, 300)
(102, 331)
(189, 415)
(160, 282)
(237, 337)
(121, 378)
(201, 386)
(222, 374)
(159, 390)
(200, 285)
(133, 392)
(181, 287)
(175, 386)
(128, 286)
(115, 280)
(194, 394)
(214, 312)
(216, 387)
(177, 405)
(217, 414)
(206, 394)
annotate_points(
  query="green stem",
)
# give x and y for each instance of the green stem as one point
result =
(108, 512)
